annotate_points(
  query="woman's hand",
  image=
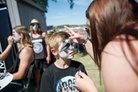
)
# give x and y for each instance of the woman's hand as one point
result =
(75, 37)
(84, 83)
(48, 59)
(10, 40)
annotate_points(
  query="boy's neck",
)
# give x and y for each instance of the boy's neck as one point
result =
(62, 64)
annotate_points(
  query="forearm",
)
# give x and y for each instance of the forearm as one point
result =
(17, 76)
(6, 52)
(91, 89)
(48, 51)
(89, 48)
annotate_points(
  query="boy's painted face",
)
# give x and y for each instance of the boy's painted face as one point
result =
(66, 49)
(15, 35)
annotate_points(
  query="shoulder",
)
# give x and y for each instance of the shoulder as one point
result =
(26, 51)
(49, 69)
(112, 48)
(78, 66)
(112, 52)
(75, 63)
(116, 59)
(121, 48)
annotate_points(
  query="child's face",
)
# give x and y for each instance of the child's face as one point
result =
(66, 49)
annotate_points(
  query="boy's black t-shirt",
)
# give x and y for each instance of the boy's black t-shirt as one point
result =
(55, 79)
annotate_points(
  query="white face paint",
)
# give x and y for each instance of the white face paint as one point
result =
(16, 36)
(35, 27)
(66, 49)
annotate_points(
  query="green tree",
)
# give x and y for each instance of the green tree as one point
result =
(44, 3)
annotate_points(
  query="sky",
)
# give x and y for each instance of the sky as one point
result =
(59, 13)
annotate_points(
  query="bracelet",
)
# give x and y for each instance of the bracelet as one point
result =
(88, 38)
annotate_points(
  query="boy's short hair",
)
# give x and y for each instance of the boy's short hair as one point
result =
(54, 39)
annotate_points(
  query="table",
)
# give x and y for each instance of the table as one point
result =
(5, 80)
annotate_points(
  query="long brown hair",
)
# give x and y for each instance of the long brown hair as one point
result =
(26, 41)
(108, 18)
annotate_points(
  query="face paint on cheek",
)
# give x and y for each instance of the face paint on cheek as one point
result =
(65, 49)
(35, 27)
(16, 37)
(63, 54)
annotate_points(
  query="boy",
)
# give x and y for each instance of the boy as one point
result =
(60, 76)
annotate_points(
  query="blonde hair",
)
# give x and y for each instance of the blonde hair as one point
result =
(26, 40)
(54, 39)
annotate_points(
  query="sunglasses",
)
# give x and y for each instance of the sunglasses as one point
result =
(34, 24)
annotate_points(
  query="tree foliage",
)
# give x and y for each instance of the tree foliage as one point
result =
(44, 3)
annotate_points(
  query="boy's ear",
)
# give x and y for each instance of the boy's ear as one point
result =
(54, 52)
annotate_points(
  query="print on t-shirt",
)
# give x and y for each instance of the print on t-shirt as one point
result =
(66, 84)
(37, 47)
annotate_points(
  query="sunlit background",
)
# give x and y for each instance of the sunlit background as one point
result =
(59, 13)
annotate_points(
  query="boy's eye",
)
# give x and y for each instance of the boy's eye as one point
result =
(71, 43)
(66, 46)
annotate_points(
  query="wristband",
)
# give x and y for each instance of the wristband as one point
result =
(88, 38)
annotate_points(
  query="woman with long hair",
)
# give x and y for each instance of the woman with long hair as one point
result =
(24, 59)
(41, 50)
(113, 45)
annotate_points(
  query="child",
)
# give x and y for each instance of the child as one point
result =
(60, 76)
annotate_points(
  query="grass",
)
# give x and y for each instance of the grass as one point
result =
(91, 69)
